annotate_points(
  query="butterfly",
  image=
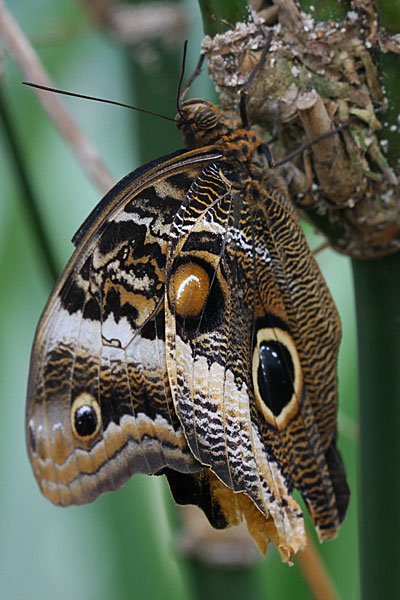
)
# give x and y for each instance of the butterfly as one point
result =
(192, 334)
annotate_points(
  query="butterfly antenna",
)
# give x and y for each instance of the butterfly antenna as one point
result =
(49, 89)
(179, 96)
(193, 76)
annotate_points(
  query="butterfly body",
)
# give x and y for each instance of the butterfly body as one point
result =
(192, 334)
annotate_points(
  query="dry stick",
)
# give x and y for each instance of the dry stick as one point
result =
(315, 573)
(321, 247)
(24, 55)
(331, 162)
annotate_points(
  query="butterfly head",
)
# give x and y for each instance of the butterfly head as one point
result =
(199, 121)
(198, 114)
(202, 124)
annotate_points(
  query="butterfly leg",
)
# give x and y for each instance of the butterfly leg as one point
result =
(247, 85)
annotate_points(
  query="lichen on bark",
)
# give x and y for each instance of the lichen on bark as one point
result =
(354, 201)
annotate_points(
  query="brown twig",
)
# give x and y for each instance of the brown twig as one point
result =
(23, 54)
(330, 160)
(315, 573)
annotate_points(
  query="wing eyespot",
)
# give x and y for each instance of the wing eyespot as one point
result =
(276, 376)
(191, 285)
(196, 297)
(31, 436)
(85, 417)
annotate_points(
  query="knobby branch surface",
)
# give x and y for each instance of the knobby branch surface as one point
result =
(314, 66)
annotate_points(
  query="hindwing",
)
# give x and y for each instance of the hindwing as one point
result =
(252, 366)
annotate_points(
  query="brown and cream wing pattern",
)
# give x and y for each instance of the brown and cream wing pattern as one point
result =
(99, 407)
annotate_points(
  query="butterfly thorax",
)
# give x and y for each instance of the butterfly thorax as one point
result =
(202, 124)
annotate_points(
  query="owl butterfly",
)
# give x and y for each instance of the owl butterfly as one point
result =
(191, 334)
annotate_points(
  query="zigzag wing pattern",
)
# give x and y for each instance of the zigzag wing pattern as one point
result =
(302, 431)
(259, 441)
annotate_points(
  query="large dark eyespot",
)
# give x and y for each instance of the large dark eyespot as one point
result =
(276, 375)
(85, 421)
(85, 417)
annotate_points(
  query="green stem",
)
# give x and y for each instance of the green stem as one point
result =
(326, 10)
(27, 196)
(389, 69)
(389, 15)
(222, 15)
(161, 97)
(213, 582)
(377, 288)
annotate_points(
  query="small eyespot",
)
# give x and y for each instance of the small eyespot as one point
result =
(85, 417)
(190, 288)
(31, 436)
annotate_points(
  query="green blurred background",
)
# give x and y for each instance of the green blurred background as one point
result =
(123, 546)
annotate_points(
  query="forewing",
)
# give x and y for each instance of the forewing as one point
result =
(99, 407)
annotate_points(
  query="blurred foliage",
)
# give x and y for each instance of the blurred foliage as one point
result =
(122, 546)
(326, 10)
(378, 327)
(219, 15)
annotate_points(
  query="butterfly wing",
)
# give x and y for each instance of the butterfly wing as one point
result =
(303, 328)
(232, 305)
(99, 406)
